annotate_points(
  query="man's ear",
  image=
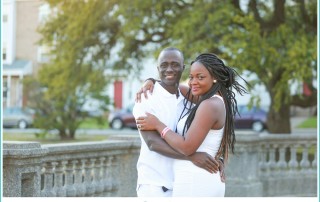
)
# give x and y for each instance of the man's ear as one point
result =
(184, 66)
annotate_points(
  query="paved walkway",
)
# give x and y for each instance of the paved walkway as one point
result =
(297, 120)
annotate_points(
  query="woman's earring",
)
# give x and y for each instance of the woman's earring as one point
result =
(214, 81)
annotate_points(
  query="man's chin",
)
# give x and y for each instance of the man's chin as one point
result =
(170, 82)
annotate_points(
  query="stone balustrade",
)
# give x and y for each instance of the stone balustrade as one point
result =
(288, 164)
(273, 165)
(263, 165)
(69, 170)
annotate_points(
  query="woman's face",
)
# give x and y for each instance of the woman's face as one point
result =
(200, 80)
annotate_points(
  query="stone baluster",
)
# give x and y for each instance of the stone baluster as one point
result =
(272, 157)
(78, 178)
(48, 180)
(71, 191)
(314, 162)
(114, 177)
(304, 163)
(107, 176)
(58, 179)
(98, 175)
(293, 163)
(282, 164)
(88, 177)
(263, 158)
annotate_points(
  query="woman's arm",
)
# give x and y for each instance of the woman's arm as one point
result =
(148, 85)
(207, 116)
(157, 144)
(184, 91)
(201, 159)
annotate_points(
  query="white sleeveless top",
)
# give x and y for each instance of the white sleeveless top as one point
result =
(212, 141)
(192, 181)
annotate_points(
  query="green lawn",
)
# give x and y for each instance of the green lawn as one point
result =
(309, 123)
(91, 123)
(51, 138)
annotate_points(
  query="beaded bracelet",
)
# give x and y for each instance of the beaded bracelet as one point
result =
(164, 131)
(153, 80)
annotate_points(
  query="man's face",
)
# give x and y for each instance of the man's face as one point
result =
(170, 67)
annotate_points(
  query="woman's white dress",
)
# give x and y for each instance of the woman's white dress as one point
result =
(192, 181)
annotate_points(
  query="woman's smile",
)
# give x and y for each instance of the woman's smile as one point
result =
(194, 89)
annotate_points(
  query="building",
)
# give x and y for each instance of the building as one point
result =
(21, 55)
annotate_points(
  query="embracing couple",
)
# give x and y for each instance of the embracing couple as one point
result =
(186, 131)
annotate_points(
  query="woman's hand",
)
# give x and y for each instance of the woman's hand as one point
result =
(148, 122)
(148, 85)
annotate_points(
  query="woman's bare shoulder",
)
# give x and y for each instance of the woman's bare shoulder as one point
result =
(213, 104)
(213, 101)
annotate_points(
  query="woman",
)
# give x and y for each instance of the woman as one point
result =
(207, 127)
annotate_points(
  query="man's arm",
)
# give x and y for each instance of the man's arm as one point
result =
(184, 90)
(148, 85)
(200, 159)
(157, 144)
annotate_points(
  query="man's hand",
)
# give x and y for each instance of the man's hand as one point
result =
(205, 161)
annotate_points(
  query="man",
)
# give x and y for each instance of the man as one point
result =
(155, 172)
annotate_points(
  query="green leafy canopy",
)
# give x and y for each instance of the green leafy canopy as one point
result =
(275, 40)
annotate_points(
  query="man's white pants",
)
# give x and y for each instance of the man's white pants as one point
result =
(147, 190)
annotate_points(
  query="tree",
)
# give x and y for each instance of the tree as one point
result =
(275, 40)
(80, 35)
(279, 46)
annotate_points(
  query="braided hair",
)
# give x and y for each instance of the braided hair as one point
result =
(225, 77)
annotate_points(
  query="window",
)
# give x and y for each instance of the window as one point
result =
(5, 18)
(44, 11)
(4, 53)
(5, 89)
(43, 54)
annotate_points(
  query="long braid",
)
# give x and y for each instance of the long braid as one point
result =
(225, 77)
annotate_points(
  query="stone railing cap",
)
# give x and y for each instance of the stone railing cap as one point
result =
(21, 145)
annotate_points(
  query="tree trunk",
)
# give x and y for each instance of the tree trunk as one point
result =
(64, 135)
(72, 134)
(279, 122)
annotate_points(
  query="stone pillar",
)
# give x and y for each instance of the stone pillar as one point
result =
(242, 168)
(22, 168)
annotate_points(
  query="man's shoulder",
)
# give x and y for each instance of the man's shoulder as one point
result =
(151, 96)
(144, 105)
